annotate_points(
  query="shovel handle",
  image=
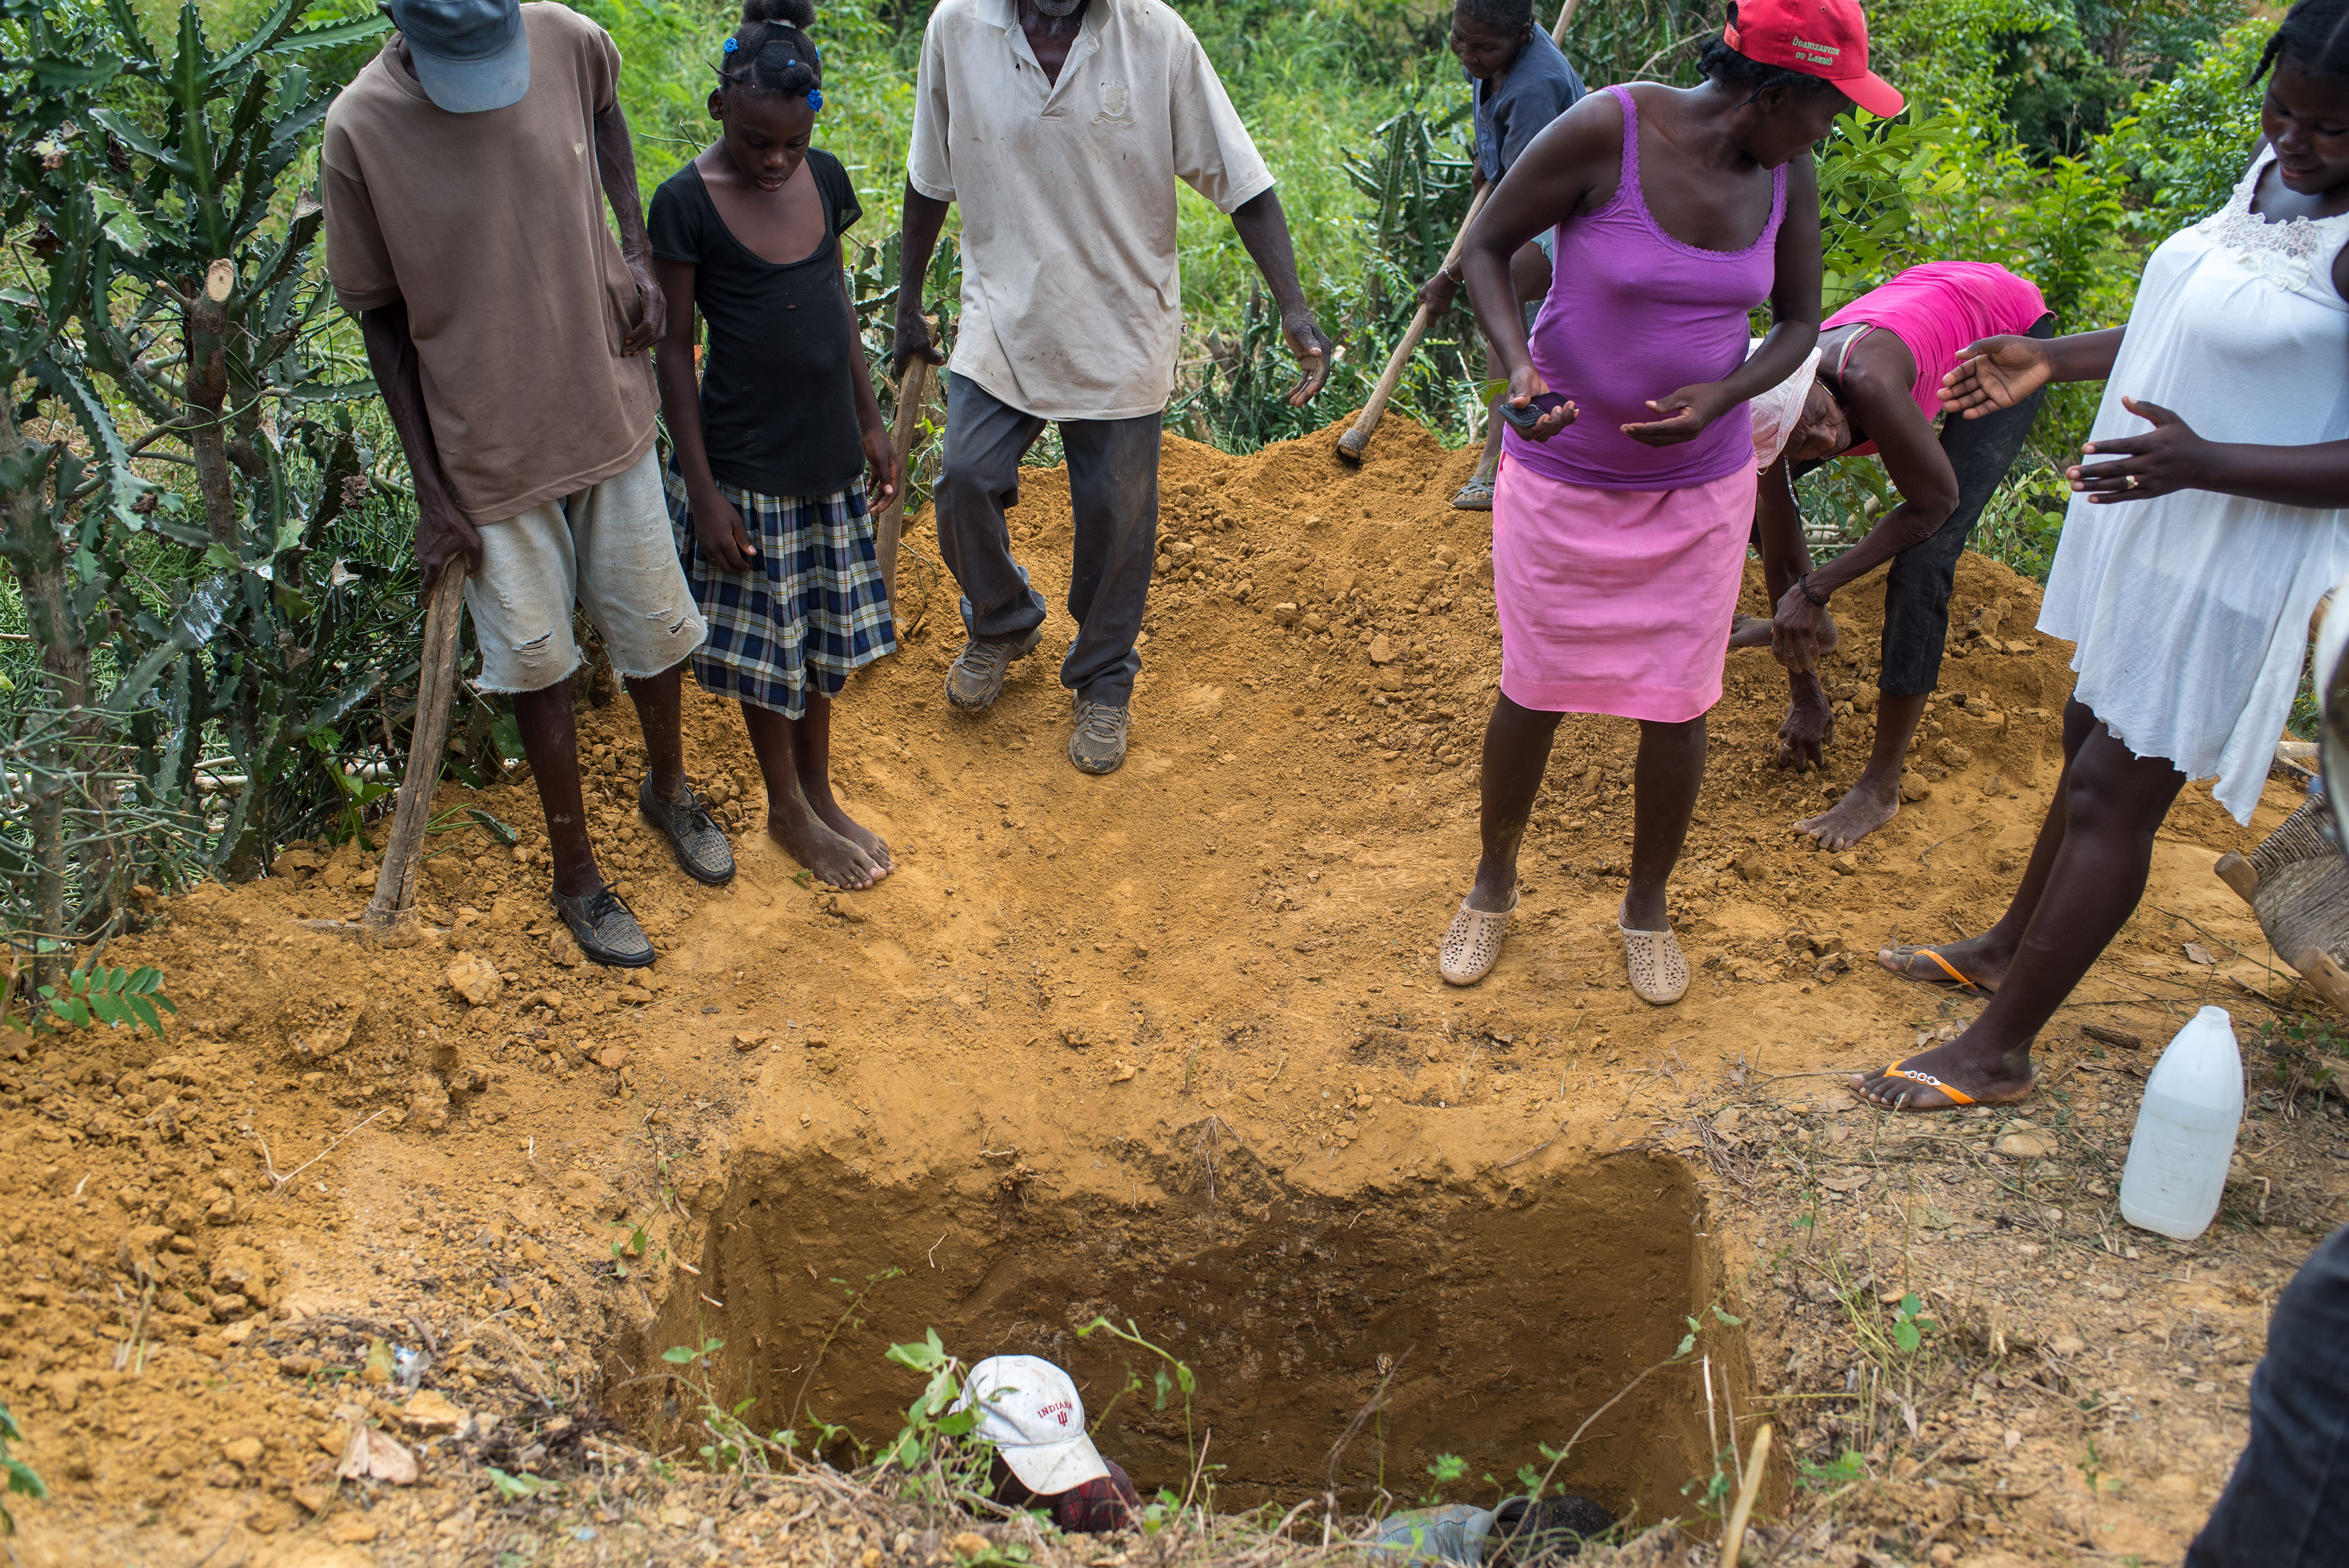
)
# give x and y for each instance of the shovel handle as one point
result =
(394, 903)
(1357, 440)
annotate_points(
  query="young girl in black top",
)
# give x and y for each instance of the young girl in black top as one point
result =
(768, 472)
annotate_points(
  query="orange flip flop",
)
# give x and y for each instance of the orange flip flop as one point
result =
(1959, 1098)
(1956, 977)
(1929, 1081)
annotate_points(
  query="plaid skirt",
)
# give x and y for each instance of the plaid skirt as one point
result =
(806, 615)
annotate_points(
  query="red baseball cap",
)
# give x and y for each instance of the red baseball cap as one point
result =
(1824, 38)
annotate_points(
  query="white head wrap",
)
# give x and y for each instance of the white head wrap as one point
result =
(1777, 411)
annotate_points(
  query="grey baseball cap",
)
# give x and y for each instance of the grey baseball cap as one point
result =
(469, 55)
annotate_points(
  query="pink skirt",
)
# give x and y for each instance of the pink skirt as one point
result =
(1617, 601)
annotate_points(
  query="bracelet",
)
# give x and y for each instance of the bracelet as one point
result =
(1454, 277)
(1803, 583)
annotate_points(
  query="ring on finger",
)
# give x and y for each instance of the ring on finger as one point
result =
(2129, 483)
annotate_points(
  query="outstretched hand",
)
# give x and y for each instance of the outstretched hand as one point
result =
(1314, 354)
(1996, 373)
(1687, 413)
(2167, 458)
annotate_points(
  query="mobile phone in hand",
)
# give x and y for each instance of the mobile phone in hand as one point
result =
(1522, 419)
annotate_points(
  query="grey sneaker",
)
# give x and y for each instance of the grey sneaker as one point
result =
(1098, 744)
(700, 843)
(975, 678)
(605, 928)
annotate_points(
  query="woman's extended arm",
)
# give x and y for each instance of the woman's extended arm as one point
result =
(2000, 372)
(715, 522)
(2170, 457)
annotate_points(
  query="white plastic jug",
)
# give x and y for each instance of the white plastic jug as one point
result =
(2186, 1130)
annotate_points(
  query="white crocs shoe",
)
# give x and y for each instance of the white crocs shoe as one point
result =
(1660, 971)
(1472, 945)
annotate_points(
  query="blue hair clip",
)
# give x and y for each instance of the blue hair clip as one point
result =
(732, 45)
(815, 97)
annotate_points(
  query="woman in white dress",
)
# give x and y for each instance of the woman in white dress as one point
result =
(2211, 516)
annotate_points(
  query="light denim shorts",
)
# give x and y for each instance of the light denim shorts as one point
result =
(609, 549)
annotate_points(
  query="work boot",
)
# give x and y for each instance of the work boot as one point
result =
(700, 843)
(606, 930)
(1098, 743)
(976, 678)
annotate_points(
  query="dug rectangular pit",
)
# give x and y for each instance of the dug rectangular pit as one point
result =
(1500, 1314)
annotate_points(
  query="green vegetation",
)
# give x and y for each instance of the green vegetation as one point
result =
(208, 633)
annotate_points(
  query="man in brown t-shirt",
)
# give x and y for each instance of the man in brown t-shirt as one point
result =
(465, 173)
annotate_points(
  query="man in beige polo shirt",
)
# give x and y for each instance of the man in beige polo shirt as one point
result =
(466, 170)
(1060, 127)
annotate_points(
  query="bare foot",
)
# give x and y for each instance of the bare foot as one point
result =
(1983, 963)
(837, 862)
(1864, 808)
(1980, 1071)
(876, 847)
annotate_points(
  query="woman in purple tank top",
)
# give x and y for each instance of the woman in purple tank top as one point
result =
(1621, 516)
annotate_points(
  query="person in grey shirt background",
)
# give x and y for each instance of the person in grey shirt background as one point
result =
(1523, 82)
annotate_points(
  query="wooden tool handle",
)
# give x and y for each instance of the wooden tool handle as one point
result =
(1357, 439)
(393, 905)
(912, 392)
(1564, 14)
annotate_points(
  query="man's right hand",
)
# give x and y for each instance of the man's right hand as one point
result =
(1437, 293)
(442, 534)
(913, 338)
(1996, 373)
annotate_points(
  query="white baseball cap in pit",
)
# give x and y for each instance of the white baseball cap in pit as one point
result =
(1030, 1411)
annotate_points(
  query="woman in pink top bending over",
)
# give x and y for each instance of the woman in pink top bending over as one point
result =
(1621, 512)
(1877, 390)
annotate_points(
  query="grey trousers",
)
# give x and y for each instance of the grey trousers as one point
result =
(1114, 487)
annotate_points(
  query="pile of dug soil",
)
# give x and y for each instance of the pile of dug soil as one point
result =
(1168, 1045)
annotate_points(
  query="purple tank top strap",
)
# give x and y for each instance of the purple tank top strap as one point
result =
(1627, 179)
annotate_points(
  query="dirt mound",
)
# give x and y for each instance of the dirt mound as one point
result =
(1168, 1045)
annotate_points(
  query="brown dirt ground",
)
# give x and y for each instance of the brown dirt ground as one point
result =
(1168, 1047)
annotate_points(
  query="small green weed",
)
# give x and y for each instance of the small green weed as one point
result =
(1909, 1328)
(121, 997)
(23, 1481)
(1851, 1467)
(521, 1488)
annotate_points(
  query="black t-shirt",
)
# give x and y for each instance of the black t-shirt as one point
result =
(778, 401)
